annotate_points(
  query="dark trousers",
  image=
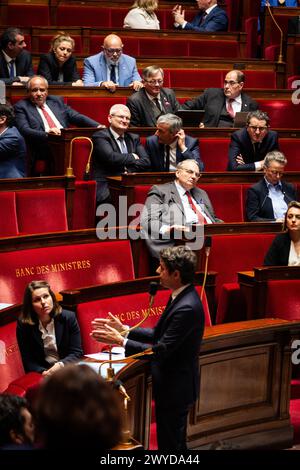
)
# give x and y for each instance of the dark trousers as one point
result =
(171, 424)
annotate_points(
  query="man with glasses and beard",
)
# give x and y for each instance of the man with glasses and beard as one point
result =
(250, 145)
(222, 104)
(111, 68)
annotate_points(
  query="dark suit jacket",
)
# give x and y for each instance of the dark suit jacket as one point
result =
(23, 67)
(12, 154)
(212, 101)
(259, 206)
(241, 144)
(163, 206)
(31, 126)
(49, 68)
(279, 251)
(177, 339)
(216, 20)
(156, 152)
(107, 159)
(294, 25)
(142, 110)
(68, 342)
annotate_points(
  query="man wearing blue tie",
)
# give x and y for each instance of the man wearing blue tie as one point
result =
(15, 62)
(210, 18)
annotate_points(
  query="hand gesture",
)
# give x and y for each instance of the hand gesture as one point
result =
(111, 321)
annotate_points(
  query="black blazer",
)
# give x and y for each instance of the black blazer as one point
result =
(49, 68)
(142, 110)
(241, 144)
(279, 251)
(23, 67)
(177, 338)
(156, 152)
(259, 206)
(212, 101)
(31, 346)
(107, 159)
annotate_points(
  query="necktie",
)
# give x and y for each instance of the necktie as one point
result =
(122, 144)
(256, 147)
(157, 103)
(203, 17)
(229, 108)
(113, 73)
(12, 68)
(167, 152)
(48, 118)
(200, 217)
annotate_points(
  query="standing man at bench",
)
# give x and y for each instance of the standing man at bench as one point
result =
(175, 342)
(15, 62)
(222, 104)
(41, 114)
(209, 19)
(153, 100)
(111, 68)
(170, 145)
(116, 151)
(249, 145)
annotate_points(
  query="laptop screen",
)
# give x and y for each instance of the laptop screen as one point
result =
(191, 117)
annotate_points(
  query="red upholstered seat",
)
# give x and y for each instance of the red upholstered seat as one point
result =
(117, 16)
(74, 15)
(283, 113)
(291, 149)
(261, 79)
(131, 45)
(292, 82)
(251, 30)
(212, 48)
(214, 153)
(130, 309)
(65, 267)
(43, 43)
(157, 47)
(41, 211)
(226, 199)
(96, 108)
(84, 207)
(283, 300)
(28, 15)
(195, 78)
(8, 214)
(80, 154)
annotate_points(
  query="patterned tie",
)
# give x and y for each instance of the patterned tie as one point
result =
(167, 153)
(48, 118)
(12, 68)
(229, 108)
(200, 217)
(113, 73)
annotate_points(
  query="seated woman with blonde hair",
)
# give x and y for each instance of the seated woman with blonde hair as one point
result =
(142, 15)
(285, 248)
(59, 65)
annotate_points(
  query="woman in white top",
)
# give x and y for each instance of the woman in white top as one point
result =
(285, 249)
(142, 15)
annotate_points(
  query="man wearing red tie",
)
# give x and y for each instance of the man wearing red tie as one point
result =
(175, 206)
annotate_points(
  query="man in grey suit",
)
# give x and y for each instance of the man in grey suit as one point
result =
(153, 100)
(15, 62)
(174, 207)
(111, 68)
(221, 105)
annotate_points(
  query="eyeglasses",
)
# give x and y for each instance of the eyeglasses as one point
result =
(257, 128)
(275, 172)
(154, 82)
(124, 118)
(191, 172)
(230, 82)
(112, 51)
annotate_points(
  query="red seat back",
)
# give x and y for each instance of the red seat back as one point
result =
(214, 153)
(65, 267)
(283, 113)
(283, 300)
(41, 211)
(196, 78)
(8, 214)
(11, 366)
(84, 205)
(28, 15)
(291, 149)
(232, 209)
(73, 15)
(96, 108)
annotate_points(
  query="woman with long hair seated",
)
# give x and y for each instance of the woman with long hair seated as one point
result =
(142, 15)
(285, 248)
(48, 336)
(59, 65)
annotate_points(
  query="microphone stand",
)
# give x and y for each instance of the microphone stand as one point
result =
(69, 170)
(207, 246)
(280, 56)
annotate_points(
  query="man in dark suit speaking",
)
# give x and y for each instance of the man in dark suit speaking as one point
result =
(152, 101)
(175, 341)
(39, 115)
(222, 104)
(170, 145)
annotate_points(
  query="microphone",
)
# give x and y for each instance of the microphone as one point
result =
(280, 56)
(207, 245)
(118, 385)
